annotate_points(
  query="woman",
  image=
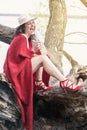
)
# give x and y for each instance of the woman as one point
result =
(23, 68)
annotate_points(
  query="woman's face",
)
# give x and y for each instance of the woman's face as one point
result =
(30, 27)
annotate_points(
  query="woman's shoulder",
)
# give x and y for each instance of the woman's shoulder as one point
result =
(19, 37)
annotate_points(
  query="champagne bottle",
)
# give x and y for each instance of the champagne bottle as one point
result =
(36, 38)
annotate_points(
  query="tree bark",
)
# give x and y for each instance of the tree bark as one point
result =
(6, 34)
(53, 109)
(10, 116)
(54, 37)
(84, 2)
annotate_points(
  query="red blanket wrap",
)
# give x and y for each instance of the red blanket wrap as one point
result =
(18, 69)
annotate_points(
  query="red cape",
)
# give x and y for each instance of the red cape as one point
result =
(18, 70)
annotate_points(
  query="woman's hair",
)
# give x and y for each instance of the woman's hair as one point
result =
(20, 29)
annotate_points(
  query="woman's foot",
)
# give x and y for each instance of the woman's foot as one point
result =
(41, 86)
(68, 85)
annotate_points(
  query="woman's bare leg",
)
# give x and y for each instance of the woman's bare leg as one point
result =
(48, 66)
(51, 69)
(39, 73)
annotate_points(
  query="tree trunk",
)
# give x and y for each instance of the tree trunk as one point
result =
(84, 2)
(54, 38)
(53, 110)
(10, 116)
(6, 34)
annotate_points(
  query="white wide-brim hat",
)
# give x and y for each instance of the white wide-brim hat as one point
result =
(24, 18)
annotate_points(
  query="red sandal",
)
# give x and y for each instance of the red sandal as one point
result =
(66, 86)
(39, 84)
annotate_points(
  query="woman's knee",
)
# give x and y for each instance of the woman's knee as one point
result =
(42, 57)
(39, 58)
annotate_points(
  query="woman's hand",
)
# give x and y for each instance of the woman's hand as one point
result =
(36, 45)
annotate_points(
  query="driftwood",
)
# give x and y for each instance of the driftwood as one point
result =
(54, 109)
(6, 34)
(10, 117)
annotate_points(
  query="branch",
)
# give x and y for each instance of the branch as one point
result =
(71, 60)
(75, 33)
(6, 34)
(72, 33)
(84, 2)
